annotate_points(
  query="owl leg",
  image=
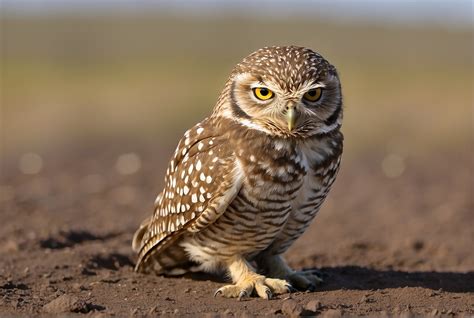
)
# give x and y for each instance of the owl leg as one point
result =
(275, 266)
(246, 281)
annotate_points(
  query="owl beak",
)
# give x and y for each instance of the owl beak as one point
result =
(291, 117)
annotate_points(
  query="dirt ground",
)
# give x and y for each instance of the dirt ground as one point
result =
(385, 246)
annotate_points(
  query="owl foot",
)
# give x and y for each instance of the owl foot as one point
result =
(275, 266)
(264, 287)
(305, 279)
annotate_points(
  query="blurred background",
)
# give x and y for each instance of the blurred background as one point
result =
(96, 94)
(81, 72)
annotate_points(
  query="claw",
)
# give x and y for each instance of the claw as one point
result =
(218, 292)
(269, 294)
(291, 289)
(313, 271)
(317, 272)
(243, 294)
(311, 287)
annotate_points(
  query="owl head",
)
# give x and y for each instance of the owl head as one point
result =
(284, 91)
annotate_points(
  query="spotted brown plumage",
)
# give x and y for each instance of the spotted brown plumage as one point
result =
(192, 197)
(247, 181)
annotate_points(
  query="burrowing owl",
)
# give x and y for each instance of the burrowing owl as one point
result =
(247, 181)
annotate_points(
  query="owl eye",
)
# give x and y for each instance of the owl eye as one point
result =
(313, 95)
(262, 93)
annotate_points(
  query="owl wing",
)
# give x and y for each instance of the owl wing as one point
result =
(201, 180)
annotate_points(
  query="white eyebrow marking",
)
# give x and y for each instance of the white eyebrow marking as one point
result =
(258, 84)
(317, 85)
(310, 85)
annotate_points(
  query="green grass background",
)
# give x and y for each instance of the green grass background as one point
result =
(78, 79)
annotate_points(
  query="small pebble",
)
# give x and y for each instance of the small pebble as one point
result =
(291, 308)
(313, 305)
(66, 303)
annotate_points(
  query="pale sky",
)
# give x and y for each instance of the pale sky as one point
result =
(452, 12)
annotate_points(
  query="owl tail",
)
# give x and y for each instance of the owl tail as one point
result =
(138, 236)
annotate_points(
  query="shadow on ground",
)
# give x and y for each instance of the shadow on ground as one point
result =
(363, 278)
(73, 237)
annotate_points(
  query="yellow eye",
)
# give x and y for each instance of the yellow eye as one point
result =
(262, 93)
(313, 95)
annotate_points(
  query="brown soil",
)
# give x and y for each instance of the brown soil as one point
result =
(384, 246)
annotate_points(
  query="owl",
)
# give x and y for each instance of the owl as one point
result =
(248, 180)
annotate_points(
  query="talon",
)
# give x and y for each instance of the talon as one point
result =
(269, 294)
(218, 292)
(243, 294)
(316, 272)
(291, 289)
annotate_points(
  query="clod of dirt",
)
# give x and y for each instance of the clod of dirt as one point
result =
(66, 303)
(313, 305)
(418, 245)
(88, 272)
(112, 261)
(110, 281)
(366, 299)
(291, 308)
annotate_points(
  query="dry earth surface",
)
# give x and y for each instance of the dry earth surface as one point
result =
(385, 246)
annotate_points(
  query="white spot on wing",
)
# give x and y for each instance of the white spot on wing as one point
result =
(185, 190)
